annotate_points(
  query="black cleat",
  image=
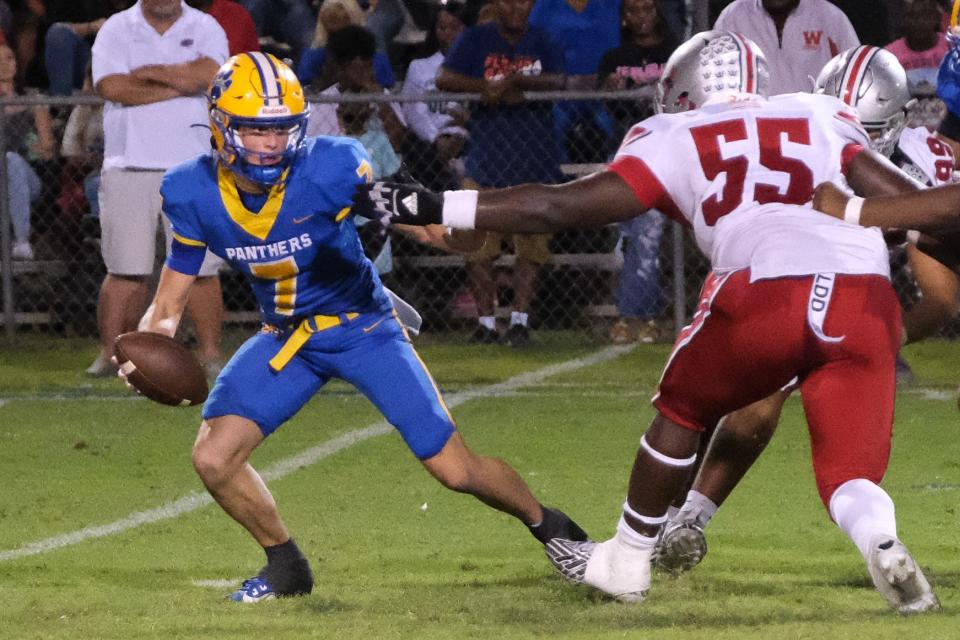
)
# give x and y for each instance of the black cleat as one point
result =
(289, 579)
(482, 335)
(517, 336)
(557, 524)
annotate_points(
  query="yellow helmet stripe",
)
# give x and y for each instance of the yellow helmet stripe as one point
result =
(268, 77)
(954, 13)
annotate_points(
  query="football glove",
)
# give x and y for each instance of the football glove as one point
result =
(398, 203)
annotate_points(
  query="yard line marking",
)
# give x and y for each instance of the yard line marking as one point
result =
(196, 500)
(932, 394)
(61, 397)
(576, 389)
(218, 583)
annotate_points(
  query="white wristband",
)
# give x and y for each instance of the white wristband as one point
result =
(851, 213)
(460, 209)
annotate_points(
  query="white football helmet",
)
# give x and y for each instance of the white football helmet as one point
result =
(708, 64)
(872, 81)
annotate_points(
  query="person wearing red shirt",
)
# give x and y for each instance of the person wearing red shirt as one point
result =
(235, 20)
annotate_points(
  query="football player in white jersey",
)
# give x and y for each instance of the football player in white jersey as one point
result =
(873, 82)
(801, 293)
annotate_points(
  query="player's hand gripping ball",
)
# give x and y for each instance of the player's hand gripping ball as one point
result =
(160, 368)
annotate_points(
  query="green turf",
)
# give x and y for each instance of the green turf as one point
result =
(396, 556)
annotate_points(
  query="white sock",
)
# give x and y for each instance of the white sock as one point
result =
(632, 538)
(698, 508)
(516, 317)
(489, 322)
(863, 510)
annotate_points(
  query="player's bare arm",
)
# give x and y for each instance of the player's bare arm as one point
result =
(932, 210)
(164, 313)
(871, 174)
(592, 201)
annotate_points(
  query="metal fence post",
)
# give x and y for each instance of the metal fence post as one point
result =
(6, 237)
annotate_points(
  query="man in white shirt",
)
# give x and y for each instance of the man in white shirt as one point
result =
(797, 37)
(152, 63)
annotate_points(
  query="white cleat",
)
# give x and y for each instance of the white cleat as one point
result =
(613, 567)
(898, 578)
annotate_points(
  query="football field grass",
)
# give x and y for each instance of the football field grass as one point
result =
(105, 531)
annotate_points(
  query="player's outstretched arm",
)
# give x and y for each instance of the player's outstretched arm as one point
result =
(164, 313)
(592, 201)
(933, 210)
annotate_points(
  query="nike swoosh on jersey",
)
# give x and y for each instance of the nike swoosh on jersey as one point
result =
(302, 220)
(373, 326)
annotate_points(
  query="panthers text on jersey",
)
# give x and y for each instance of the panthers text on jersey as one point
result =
(741, 173)
(300, 250)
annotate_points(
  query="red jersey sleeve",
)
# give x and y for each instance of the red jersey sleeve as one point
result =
(648, 189)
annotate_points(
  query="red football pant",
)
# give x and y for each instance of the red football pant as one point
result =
(840, 334)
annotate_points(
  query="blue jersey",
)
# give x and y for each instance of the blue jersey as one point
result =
(509, 144)
(300, 251)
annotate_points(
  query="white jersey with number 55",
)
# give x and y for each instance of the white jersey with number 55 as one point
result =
(741, 173)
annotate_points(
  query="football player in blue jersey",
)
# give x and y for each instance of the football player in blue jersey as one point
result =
(276, 206)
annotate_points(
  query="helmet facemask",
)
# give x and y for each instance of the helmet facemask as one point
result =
(264, 169)
(872, 82)
(885, 135)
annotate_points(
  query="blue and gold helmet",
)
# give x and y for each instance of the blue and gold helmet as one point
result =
(256, 90)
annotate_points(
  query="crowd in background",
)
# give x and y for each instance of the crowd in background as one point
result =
(499, 49)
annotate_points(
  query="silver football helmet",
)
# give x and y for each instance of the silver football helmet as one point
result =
(873, 82)
(708, 64)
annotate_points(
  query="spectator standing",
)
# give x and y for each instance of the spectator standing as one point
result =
(287, 21)
(920, 51)
(312, 70)
(152, 63)
(585, 30)
(647, 43)
(512, 142)
(438, 127)
(29, 137)
(236, 22)
(797, 37)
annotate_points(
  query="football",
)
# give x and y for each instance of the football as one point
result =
(161, 368)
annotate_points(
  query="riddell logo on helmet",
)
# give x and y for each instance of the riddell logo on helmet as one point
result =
(282, 110)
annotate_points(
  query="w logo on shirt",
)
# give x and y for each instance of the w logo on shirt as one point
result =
(811, 39)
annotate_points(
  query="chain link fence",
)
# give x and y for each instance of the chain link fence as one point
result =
(51, 266)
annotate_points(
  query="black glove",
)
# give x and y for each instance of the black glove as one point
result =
(398, 203)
